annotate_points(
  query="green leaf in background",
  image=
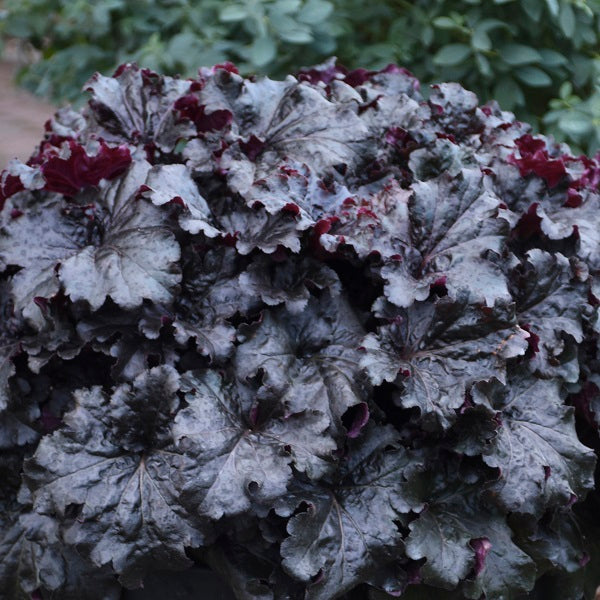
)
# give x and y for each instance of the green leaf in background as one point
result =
(445, 23)
(519, 54)
(452, 54)
(492, 24)
(481, 40)
(533, 9)
(566, 89)
(285, 7)
(576, 124)
(567, 19)
(315, 11)
(296, 35)
(262, 51)
(553, 7)
(427, 35)
(552, 58)
(533, 77)
(483, 64)
(508, 93)
(233, 13)
(182, 46)
(582, 68)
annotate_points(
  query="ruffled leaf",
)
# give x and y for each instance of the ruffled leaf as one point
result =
(137, 257)
(291, 119)
(113, 460)
(453, 227)
(550, 303)
(444, 535)
(288, 282)
(434, 352)
(542, 463)
(138, 105)
(173, 184)
(244, 453)
(335, 539)
(307, 360)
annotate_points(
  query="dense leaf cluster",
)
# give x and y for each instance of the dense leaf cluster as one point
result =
(538, 57)
(320, 334)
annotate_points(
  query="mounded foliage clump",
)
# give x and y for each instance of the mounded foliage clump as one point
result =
(320, 334)
(536, 57)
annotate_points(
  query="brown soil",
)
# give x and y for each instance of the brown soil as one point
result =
(22, 118)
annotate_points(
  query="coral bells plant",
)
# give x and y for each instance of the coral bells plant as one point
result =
(327, 337)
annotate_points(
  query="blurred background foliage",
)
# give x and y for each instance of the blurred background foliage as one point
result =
(538, 58)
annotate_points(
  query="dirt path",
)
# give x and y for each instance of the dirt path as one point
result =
(22, 118)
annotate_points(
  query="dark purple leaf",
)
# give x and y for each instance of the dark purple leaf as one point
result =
(77, 169)
(537, 432)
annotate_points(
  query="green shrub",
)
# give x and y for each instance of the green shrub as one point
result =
(533, 56)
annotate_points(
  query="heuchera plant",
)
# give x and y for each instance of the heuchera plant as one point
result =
(321, 334)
